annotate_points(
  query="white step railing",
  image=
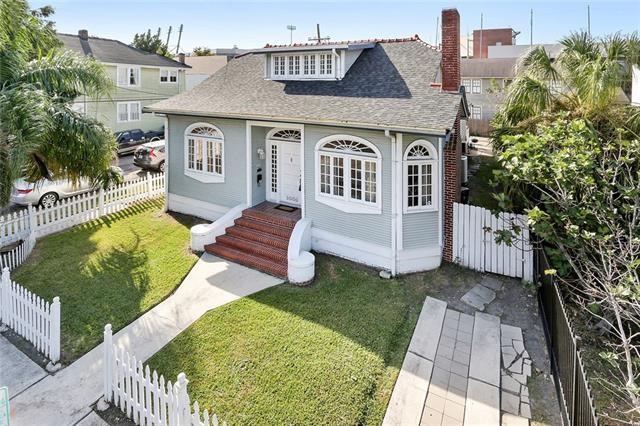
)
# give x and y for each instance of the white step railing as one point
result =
(31, 317)
(142, 396)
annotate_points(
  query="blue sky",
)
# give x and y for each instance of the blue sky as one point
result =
(252, 24)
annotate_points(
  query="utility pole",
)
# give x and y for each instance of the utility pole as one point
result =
(158, 34)
(531, 31)
(481, 28)
(168, 37)
(319, 39)
(589, 20)
(468, 56)
(291, 28)
(437, 29)
(179, 37)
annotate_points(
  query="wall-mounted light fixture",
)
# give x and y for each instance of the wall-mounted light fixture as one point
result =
(261, 153)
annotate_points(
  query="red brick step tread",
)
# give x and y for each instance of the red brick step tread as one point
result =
(258, 236)
(265, 217)
(249, 260)
(253, 247)
(263, 226)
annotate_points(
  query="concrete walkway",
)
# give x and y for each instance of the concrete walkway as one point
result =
(17, 371)
(65, 398)
(451, 374)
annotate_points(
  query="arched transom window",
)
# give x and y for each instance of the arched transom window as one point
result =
(288, 135)
(420, 177)
(204, 152)
(348, 174)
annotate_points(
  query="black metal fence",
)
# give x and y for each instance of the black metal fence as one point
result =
(574, 393)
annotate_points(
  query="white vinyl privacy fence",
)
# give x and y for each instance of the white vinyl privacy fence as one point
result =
(475, 247)
(33, 318)
(142, 396)
(37, 222)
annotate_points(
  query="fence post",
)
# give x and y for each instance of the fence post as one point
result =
(33, 223)
(184, 408)
(149, 186)
(5, 284)
(101, 202)
(54, 331)
(108, 366)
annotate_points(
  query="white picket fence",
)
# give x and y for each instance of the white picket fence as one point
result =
(16, 256)
(142, 396)
(32, 223)
(474, 244)
(33, 318)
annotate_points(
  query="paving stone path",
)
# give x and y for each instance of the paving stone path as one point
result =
(461, 370)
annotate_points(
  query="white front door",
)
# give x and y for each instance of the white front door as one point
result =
(284, 173)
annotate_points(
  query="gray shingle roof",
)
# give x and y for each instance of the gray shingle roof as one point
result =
(488, 68)
(389, 86)
(114, 51)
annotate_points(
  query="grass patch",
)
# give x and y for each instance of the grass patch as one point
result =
(325, 354)
(480, 192)
(110, 270)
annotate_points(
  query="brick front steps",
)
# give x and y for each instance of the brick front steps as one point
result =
(258, 240)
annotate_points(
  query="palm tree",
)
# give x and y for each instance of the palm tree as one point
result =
(40, 134)
(586, 80)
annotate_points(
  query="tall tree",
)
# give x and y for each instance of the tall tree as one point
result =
(40, 134)
(151, 43)
(202, 51)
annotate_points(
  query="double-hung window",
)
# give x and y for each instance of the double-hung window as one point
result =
(476, 85)
(204, 153)
(168, 76)
(128, 76)
(476, 112)
(128, 111)
(420, 177)
(348, 174)
(467, 85)
(302, 66)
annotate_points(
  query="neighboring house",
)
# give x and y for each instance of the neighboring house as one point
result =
(359, 139)
(635, 86)
(515, 51)
(141, 78)
(202, 67)
(485, 82)
(484, 39)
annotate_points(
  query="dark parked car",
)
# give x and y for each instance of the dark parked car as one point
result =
(150, 156)
(129, 140)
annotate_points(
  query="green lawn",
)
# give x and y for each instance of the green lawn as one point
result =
(110, 270)
(325, 354)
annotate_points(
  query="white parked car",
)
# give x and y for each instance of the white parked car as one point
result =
(47, 192)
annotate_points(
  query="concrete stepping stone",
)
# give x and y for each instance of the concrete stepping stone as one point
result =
(478, 297)
(410, 392)
(491, 282)
(428, 329)
(485, 349)
(511, 420)
(482, 406)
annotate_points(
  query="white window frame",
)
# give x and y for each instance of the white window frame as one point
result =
(130, 118)
(127, 70)
(204, 175)
(432, 160)
(467, 85)
(294, 66)
(476, 83)
(345, 203)
(169, 72)
(477, 108)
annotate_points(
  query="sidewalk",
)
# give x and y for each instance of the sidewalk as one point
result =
(65, 399)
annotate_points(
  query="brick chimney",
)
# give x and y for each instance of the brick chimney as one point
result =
(83, 34)
(453, 149)
(181, 58)
(450, 50)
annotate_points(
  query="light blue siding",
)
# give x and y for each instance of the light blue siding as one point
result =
(258, 140)
(233, 190)
(419, 229)
(373, 228)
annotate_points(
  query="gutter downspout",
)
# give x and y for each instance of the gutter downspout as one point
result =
(394, 206)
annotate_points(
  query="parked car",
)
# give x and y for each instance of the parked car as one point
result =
(129, 140)
(150, 156)
(47, 192)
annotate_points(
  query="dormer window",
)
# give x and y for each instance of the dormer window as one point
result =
(304, 66)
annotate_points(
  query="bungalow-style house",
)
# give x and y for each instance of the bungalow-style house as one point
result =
(140, 78)
(345, 148)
